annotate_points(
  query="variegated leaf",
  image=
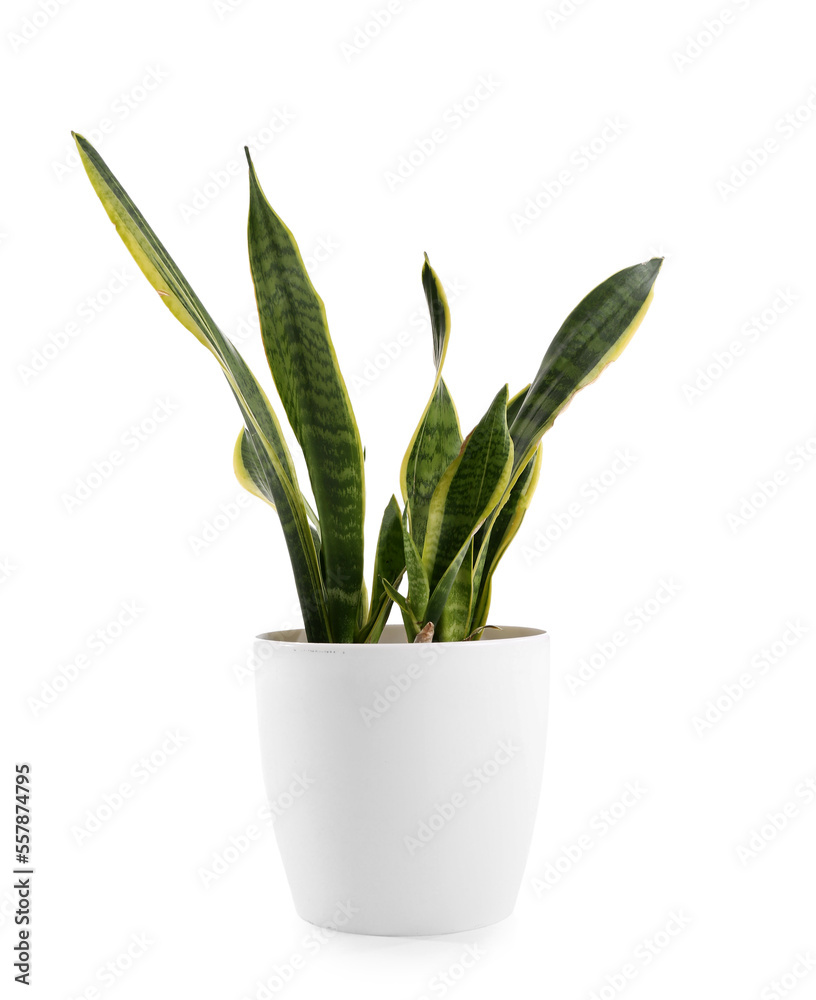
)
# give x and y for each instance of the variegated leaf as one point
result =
(307, 376)
(262, 425)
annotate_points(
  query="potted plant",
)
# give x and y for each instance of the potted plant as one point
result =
(417, 750)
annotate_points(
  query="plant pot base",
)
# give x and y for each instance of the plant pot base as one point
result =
(417, 769)
(401, 930)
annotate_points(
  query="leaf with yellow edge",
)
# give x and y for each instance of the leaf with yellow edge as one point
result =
(591, 337)
(437, 438)
(304, 366)
(468, 491)
(262, 426)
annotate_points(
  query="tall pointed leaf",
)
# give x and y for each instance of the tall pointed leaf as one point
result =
(592, 337)
(437, 438)
(262, 426)
(304, 366)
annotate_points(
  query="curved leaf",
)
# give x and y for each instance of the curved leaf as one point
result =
(262, 426)
(254, 472)
(438, 437)
(591, 337)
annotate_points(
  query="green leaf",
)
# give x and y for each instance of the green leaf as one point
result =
(308, 379)
(454, 623)
(513, 406)
(437, 438)
(373, 628)
(389, 562)
(411, 624)
(469, 490)
(439, 597)
(434, 447)
(362, 607)
(418, 588)
(254, 472)
(499, 536)
(592, 337)
(262, 426)
(439, 310)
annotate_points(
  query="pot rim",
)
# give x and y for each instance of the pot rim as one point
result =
(295, 638)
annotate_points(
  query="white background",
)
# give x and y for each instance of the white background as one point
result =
(686, 120)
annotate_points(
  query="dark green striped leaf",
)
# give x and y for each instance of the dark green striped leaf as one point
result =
(389, 560)
(441, 592)
(454, 623)
(304, 366)
(467, 492)
(592, 336)
(513, 406)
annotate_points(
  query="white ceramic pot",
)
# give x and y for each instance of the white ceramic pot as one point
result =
(405, 777)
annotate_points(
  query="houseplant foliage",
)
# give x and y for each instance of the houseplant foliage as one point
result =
(463, 497)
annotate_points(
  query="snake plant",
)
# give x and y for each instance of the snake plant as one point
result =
(463, 498)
